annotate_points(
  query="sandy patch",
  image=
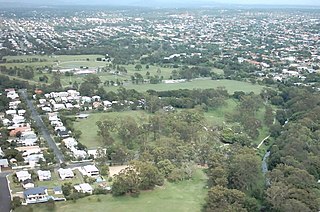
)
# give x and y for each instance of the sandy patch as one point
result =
(113, 170)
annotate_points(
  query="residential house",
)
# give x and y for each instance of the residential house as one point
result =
(65, 173)
(23, 175)
(28, 183)
(3, 162)
(36, 195)
(91, 170)
(33, 159)
(57, 190)
(28, 150)
(84, 188)
(44, 175)
(63, 134)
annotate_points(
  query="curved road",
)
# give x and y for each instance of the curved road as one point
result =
(45, 132)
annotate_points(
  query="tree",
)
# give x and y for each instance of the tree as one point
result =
(245, 171)
(105, 127)
(128, 131)
(138, 67)
(101, 157)
(127, 181)
(149, 175)
(268, 116)
(294, 186)
(165, 167)
(56, 84)
(222, 199)
(16, 202)
(66, 189)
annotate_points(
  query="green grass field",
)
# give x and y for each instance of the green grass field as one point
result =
(89, 128)
(230, 85)
(217, 116)
(184, 196)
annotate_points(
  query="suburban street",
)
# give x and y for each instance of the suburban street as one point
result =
(5, 198)
(45, 132)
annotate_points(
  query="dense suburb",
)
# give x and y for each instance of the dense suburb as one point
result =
(198, 123)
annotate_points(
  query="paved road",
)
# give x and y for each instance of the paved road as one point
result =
(5, 198)
(44, 130)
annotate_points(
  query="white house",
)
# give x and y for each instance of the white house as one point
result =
(21, 112)
(28, 150)
(91, 170)
(84, 188)
(33, 159)
(107, 103)
(11, 112)
(47, 109)
(96, 98)
(18, 119)
(36, 195)
(70, 142)
(28, 142)
(57, 107)
(27, 184)
(23, 175)
(78, 153)
(44, 175)
(12, 95)
(65, 173)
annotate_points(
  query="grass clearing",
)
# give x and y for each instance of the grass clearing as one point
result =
(184, 196)
(89, 128)
(230, 85)
(217, 116)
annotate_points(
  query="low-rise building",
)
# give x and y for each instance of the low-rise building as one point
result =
(91, 171)
(28, 183)
(44, 175)
(36, 195)
(65, 173)
(84, 188)
(23, 175)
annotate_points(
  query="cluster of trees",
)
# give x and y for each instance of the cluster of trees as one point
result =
(138, 176)
(234, 70)
(28, 60)
(185, 98)
(190, 73)
(6, 82)
(294, 157)
(26, 72)
(235, 180)
(246, 112)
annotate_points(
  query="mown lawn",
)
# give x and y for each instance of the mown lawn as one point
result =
(230, 85)
(184, 196)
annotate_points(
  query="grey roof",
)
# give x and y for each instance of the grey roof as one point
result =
(36, 190)
(26, 181)
(57, 188)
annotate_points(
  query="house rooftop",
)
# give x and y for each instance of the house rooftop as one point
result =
(34, 191)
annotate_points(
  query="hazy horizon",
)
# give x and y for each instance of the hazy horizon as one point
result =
(165, 3)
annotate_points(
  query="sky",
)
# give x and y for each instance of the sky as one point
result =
(165, 3)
